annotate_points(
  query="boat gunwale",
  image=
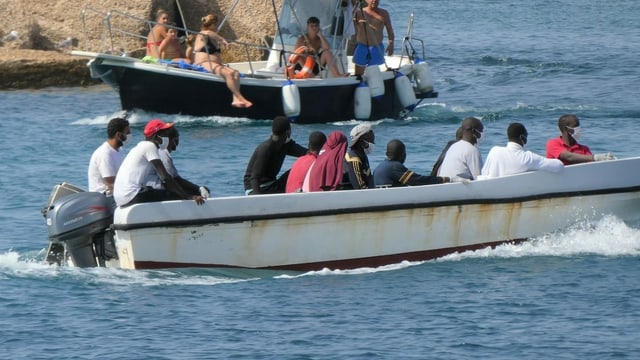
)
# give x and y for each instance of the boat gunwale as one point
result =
(367, 209)
(101, 59)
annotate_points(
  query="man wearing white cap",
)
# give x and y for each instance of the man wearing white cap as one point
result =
(142, 166)
(357, 162)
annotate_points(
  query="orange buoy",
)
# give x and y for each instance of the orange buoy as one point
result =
(307, 70)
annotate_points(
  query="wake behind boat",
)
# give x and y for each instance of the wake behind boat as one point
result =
(338, 229)
(389, 91)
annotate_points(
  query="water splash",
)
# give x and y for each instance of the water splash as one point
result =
(140, 117)
(99, 120)
(30, 266)
(358, 271)
(607, 237)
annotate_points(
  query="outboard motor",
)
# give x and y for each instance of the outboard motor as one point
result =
(78, 226)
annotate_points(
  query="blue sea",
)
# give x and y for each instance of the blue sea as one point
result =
(573, 294)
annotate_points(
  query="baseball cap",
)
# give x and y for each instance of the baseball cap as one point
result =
(357, 132)
(154, 126)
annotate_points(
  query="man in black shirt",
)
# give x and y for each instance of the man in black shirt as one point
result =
(261, 176)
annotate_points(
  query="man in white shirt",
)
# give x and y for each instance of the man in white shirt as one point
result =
(513, 159)
(463, 159)
(142, 166)
(107, 158)
(167, 161)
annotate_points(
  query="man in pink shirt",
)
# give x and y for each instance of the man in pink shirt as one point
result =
(301, 166)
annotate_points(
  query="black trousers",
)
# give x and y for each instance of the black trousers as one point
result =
(149, 194)
(277, 187)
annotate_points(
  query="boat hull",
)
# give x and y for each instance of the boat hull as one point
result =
(166, 89)
(372, 227)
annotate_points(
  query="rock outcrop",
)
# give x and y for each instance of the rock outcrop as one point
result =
(37, 36)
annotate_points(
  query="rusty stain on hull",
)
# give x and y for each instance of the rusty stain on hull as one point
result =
(362, 238)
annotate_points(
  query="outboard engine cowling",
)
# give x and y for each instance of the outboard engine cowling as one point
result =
(79, 224)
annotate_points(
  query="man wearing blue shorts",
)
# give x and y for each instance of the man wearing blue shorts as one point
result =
(369, 50)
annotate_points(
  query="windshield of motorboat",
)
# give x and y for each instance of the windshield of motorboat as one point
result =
(294, 15)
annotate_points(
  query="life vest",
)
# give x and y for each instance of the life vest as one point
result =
(307, 69)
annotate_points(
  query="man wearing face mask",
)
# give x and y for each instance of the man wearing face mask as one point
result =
(566, 147)
(513, 159)
(107, 158)
(261, 176)
(357, 161)
(463, 160)
(142, 167)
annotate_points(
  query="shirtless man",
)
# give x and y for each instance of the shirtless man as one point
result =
(171, 49)
(157, 34)
(369, 49)
(314, 40)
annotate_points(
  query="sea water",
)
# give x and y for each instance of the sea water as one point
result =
(571, 294)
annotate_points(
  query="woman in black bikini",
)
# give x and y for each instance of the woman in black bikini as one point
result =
(206, 51)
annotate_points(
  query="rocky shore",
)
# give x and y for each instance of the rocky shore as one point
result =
(37, 56)
(34, 69)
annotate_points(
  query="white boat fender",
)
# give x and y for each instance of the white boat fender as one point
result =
(291, 100)
(405, 91)
(373, 77)
(406, 69)
(362, 102)
(422, 76)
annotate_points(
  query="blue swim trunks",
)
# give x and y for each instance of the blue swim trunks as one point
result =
(364, 55)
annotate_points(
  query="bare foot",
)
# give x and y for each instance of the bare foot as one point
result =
(242, 104)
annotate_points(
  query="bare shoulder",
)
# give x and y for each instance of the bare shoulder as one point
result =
(384, 13)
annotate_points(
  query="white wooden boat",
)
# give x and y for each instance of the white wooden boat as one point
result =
(350, 229)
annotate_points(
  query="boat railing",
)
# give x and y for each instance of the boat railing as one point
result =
(120, 33)
(409, 49)
(124, 34)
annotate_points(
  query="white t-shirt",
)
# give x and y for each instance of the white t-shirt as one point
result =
(136, 172)
(105, 162)
(462, 159)
(167, 161)
(513, 159)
